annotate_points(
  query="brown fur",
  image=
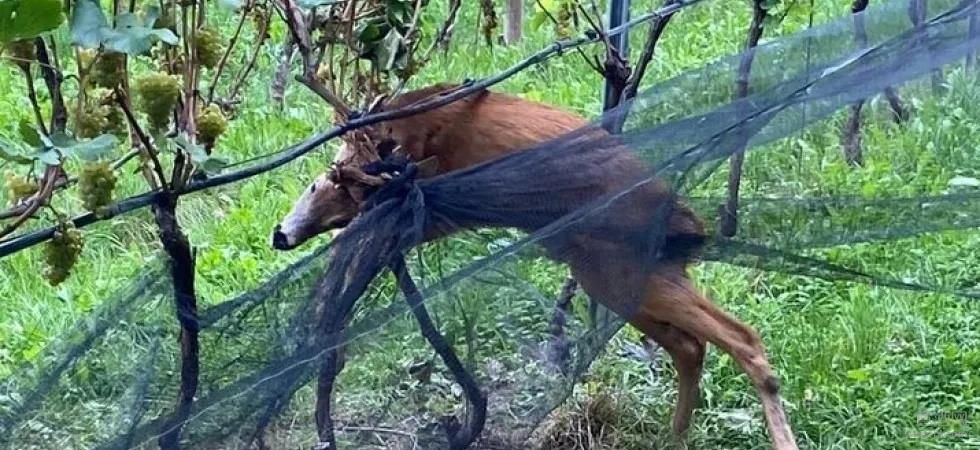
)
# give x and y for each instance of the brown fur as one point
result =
(662, 302)
(477, 128)
(656, 297)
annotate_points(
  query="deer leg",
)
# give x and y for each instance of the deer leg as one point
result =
(688, 355)
(671, 297)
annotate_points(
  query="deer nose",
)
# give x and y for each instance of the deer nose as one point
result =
(279, 239)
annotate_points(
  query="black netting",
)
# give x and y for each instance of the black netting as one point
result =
(620, 210)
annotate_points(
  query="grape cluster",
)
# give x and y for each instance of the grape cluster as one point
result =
(158, 93)
(210, 124)
(109, 70)
(209, 48)
(61, 253)
(91, 121)
(95, 185)
(489, 20)
(18, 187)
(116, 122)
(564, 19)
(260, 20)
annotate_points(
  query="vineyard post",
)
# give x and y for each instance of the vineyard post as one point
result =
(974, 30)
(514, 21)
(729, 211)
(619, 14)
(851, 138)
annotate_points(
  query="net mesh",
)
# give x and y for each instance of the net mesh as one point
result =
(116, 375)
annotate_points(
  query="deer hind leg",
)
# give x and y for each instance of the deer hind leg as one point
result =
(687, 353)
(671, 297)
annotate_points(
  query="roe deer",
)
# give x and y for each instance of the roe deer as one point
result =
(468, 142)
(477, 128)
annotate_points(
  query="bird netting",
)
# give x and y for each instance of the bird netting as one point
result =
(620, 210)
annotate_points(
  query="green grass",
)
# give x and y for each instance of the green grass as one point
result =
(862, 367)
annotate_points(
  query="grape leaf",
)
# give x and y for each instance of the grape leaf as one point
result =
(196, 151)
(26, 19)
(93, 149)
(151, 15)
(8, 152)
(49, 157)
(29, 133)
(233, 5)
(88, 24)
(133, 37)
(199, 156)
(213, 164)
(59, 144)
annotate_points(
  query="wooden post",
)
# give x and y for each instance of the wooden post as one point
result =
(514, 22)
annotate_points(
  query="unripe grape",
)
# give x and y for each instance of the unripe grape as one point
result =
(564, 19)
(489, 20)
(209, 48)
(211, 124)
(116, 122)
(109, 69)
(91, 121)
(61, 253)
(18, 187)
(158, 93)
(95, 185)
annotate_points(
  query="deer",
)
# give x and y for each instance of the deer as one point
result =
(476, 128)
(484, 130)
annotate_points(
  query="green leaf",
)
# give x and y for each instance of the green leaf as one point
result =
(8, 152)
(213, 164)
(196, 151)
(49, 157)
(132, 37)
(94, 149)
(88, 24)
(29, 133)
(368, 32)
(199, 156)
(150, 16)
(26, 19)
(539, 19)
(548, 5)
(233, 5)
(858, 374)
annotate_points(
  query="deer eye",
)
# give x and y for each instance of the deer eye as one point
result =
(313, 188)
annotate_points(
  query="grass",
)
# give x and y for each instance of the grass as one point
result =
(862, 367)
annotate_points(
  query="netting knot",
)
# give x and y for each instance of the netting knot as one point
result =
(401, 175)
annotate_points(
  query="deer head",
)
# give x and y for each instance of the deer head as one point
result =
(335, 197)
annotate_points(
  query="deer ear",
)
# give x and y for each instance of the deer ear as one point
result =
(428, 167)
